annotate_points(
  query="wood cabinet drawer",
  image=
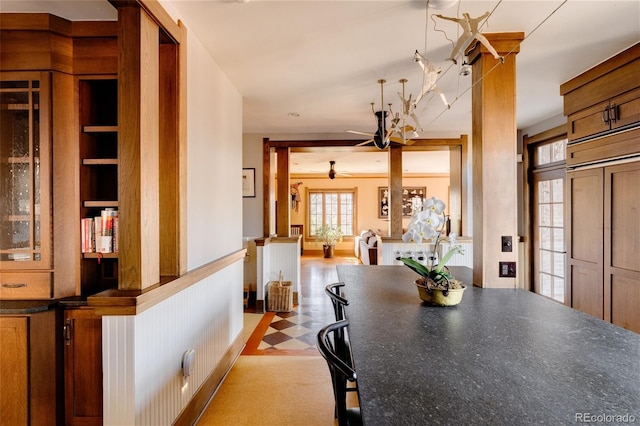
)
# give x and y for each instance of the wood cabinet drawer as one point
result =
(588, 122)
(609, 147)
(621, 111)
(25, 285)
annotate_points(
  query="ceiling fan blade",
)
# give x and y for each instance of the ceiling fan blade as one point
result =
(397, 139)
(359, 133)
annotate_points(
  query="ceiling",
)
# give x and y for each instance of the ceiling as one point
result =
(311, 67)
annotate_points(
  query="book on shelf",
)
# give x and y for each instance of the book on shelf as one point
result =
(100, 233)
(88, 235)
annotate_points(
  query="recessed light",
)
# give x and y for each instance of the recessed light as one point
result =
(293, 114)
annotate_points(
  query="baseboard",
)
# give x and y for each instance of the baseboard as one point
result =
(201, 398)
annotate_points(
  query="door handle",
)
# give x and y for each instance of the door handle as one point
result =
(613, 114)
(67, 332)
(605, 116)
(14, 285)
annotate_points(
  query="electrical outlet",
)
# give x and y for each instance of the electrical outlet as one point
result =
(507, 244)
(507, 269)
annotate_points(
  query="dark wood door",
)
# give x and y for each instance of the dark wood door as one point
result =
(585, 240)
(622, 238)
(83, 367)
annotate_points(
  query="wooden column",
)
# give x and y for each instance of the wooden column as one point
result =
(284, 195)
(395, 190)
(494, 157)
(454, 205)
(138, 145)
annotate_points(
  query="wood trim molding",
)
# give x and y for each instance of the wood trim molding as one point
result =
(616, 61)
(157, 13)
(347, 145)
(553, 133)
(134, 302)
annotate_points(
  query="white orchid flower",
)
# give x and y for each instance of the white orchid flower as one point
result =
(434, 204)
(412, 236)
(432, 219)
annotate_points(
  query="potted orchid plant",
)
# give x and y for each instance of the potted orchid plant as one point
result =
(436, 284)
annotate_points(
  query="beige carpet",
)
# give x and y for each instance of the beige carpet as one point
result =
(273, 390)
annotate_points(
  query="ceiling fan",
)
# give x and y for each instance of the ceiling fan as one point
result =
(332, 170)
(382, 138)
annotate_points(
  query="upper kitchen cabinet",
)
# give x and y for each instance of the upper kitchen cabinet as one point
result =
(606, 98)
(42, 59)
(25, 184)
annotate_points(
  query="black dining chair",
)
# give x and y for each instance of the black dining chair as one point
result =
(338, 301)
(342, 345)
(343, 376)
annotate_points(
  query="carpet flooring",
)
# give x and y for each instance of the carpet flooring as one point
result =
(273, 390)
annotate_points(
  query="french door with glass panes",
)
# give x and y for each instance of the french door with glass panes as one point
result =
(548, 175)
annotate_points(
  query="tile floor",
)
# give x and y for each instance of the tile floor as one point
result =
(294, 333)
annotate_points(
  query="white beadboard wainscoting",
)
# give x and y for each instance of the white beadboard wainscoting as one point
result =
(142, 354)
(275, 255)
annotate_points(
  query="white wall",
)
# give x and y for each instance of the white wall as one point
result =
(142, 354)
(214, 172)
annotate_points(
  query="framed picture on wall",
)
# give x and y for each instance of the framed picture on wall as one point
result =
(412, 197)
(249, 183)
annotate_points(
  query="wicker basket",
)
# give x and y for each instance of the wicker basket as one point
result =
(279, 296)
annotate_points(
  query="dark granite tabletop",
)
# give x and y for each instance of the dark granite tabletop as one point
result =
(22, 307)
(500, 357)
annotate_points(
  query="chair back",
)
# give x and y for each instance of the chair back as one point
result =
(341, 372)
(339, 302)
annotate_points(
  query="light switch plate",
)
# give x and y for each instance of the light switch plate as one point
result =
(507, 269)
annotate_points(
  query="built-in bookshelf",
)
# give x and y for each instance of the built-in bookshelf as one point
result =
(98, 183)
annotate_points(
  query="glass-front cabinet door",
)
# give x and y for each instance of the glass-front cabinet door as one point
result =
(25, 237)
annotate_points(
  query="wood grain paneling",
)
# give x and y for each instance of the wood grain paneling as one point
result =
(138, 197)
(622, 236)
(95, 55)
(494, 156)
(14, 371)
(83, 367)
(611, 78)
(585, 240)
(283, 193)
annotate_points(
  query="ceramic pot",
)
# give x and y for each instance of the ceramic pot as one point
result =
(440, 297)
(328, 250)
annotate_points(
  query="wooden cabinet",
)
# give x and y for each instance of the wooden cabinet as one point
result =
(25, 185)
(83, 367)
(585, 240)
(28, 369)
(98, 141)
(604, 98)
(603, 213)
(622, 243)
(609, 115)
